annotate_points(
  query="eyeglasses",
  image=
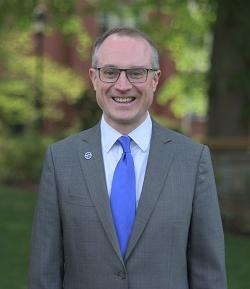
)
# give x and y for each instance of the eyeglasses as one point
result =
(134, 75)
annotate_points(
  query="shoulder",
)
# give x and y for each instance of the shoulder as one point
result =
(184, 147)
(176, 137)
(188, 154)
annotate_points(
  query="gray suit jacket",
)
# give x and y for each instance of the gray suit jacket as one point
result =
(177, 239)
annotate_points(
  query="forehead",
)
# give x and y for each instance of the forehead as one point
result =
(124, 51)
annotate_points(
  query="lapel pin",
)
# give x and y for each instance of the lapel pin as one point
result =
(88, 155)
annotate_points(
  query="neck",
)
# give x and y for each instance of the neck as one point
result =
(125, 127)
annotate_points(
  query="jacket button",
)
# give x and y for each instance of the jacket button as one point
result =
(121, 275)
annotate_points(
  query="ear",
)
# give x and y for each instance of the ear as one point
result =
(93, 77)
(156, 78)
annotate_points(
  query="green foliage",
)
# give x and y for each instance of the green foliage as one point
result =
(21, 14)
(186, 35)
(36, 90)
(61, 7)
(65, 16)
(22, 157)
(184, 32)
(15, 12)
(19, 84)
(185, 93)
(22, 153)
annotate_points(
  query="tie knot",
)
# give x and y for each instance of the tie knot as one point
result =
(125, 143)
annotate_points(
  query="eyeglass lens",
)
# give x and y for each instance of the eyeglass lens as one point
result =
(111, 74)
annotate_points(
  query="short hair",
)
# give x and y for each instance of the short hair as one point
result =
(126, 31)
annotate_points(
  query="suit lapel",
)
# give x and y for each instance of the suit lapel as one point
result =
(160, 158)
(94, 174)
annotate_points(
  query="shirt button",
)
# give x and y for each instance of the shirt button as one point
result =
(121, 275)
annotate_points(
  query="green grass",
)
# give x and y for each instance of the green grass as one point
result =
(238, 261)
(16, 209)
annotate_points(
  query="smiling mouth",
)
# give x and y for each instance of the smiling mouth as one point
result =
(123, 99)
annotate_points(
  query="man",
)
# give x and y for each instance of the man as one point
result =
(127, 204)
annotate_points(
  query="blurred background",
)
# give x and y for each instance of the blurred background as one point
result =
(45, 95)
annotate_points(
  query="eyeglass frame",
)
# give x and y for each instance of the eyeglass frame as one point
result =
(125, 70)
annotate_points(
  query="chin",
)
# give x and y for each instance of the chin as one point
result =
(132, 121)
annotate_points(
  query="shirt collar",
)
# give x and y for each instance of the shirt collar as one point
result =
(108, 134)
(141, 135)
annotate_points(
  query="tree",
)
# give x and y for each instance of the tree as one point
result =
(229, 93)
(20, 141)
(184, 32)
(20, 14)
(18, 87)
(188, 39)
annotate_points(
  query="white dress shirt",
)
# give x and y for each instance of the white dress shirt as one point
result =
(112, 151)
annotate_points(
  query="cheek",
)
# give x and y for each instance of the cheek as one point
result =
(102, 94)
(99, 91)
(149, 93)
(99, 98)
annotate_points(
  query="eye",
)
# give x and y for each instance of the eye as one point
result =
(109, 72)
(136, 73)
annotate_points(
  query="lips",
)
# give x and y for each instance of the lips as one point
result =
(123, 99)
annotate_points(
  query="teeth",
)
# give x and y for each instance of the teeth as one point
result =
(123, 99)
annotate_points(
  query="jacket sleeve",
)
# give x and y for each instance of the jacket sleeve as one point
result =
(46, 260)
(206, 260)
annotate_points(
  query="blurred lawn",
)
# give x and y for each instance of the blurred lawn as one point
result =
(16, 209)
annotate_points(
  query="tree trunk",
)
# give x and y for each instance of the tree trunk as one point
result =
(229, 92)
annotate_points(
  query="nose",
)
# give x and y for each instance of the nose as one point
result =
(122, 83)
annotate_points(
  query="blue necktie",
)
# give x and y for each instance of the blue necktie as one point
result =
(122, 198)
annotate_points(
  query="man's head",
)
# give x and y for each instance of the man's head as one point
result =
(125, 73)
(126, 31)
